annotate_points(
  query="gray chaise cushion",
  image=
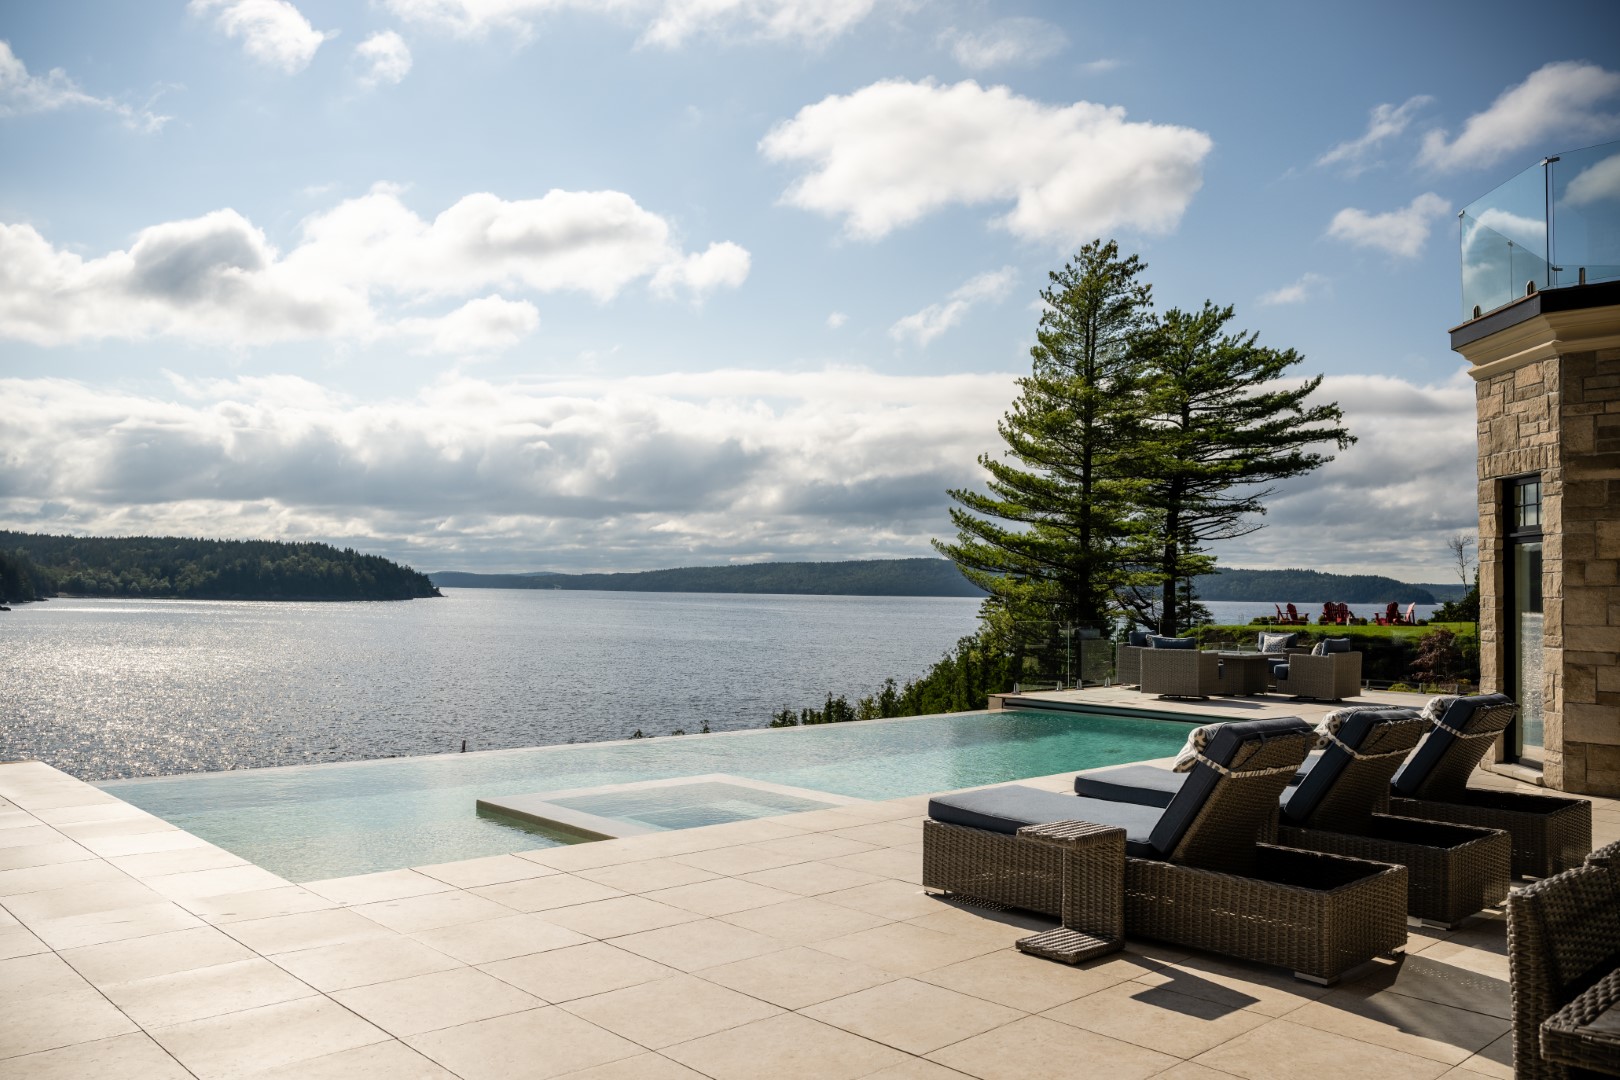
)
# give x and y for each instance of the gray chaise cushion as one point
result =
(1325, 766)
(1222, 749)
(1008, 808)
(1414, 772)
(1145, 785)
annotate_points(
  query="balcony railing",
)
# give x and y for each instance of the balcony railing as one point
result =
(1555, 224)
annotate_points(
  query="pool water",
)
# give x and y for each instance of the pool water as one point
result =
(690, 805)
(316, 821)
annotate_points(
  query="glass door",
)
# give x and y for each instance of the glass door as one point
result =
(1523, 617)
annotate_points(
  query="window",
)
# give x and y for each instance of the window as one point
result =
(1525, 515)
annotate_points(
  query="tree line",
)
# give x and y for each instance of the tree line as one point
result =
(854, 577)
(36, 566)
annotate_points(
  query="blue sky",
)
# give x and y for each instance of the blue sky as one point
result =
(518, 284)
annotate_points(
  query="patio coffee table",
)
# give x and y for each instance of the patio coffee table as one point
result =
(1093, 891)
(1248, 673)
(1585, 1034)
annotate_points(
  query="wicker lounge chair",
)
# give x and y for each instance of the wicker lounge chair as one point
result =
(1335, 804)
(1127, 658)
(1563, 938)
(1186, 673)
(1196, 873)
(1550, 833)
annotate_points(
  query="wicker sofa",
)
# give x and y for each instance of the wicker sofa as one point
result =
(1335, 805)
(1563, 940)
(1197, 871)
(1185, 673)
(1550, 833)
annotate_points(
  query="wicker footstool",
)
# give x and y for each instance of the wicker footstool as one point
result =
(1093, 907)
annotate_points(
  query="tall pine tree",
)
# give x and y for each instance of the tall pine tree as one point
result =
(1216, 426)
(1043, 539)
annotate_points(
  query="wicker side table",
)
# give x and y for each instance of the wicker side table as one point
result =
(1093, 912)
(1585, 1034)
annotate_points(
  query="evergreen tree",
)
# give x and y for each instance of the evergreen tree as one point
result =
(1042, 540)
(1216, 426)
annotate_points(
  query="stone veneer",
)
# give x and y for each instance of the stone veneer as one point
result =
(1548, 400)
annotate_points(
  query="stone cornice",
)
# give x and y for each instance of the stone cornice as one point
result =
(1540, 337)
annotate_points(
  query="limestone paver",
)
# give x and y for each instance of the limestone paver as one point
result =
(690, 946)
(273, 1035)
(71, 900)
(373, 888)
(1007, 977)
(913, 1016)
(35, 976)
(1157, 1018)
(1404, 1023)
(16, 940)
(378, 1061)
(805, 921)
(884, 833)
(647, 876)
(116, 924)
(59, 876)
(1030, 1047)
(901, 864)
(215, 882)
(57, 851)
(304, 930)
(194, 994)
(261, 904)
(641, 1067)
(808, 846)
(891, 899)
(437, 1000)
(619, 916)
(179, 861)
(917, 1069)
(904, 949)
(668, 1011)
(580, 971)
(811, 878)
(543, 893)
(736, 861)
(498, 939)
(433, 910)
(358, 963)
(720, 896)
(492, 870)
(127, 1057)
(47, 1021)
(533, 1045)
(787, 1045)
(1283, 1049)
(796, 977)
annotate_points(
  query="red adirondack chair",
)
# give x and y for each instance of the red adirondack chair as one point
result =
(1295, 618)
(1391, 615)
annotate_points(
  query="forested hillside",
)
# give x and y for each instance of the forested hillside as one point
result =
(194, 569)
(861, 577)
(1312, 586)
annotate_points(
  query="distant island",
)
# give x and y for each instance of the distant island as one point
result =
(35, 566)
(857, 577)
(936, 577)
(1284, 586)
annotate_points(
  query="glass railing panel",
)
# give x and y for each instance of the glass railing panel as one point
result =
(1585, 201)
(1504, 242)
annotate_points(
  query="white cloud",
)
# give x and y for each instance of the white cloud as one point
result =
(218, 279)
(1559, 99)
(385, 58)
(597, 473)
(1308, 285)
(1400, 232)
(272, 32)
(1101, 66)
(721, 265)
(665, 23)
(1386, 122)
(22, 94)
(893, 152)
(924, 326)
(1384, 505)
(1014, 42)
(1595, 183)
(488, 324)
(836, 320)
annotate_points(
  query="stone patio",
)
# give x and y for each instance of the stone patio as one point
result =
(799, 946)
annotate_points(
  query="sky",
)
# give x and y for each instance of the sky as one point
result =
(517, 285)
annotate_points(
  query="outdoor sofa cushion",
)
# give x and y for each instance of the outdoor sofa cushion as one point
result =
(1145, 785)
(1276, 643)
(1331, 645)
(1008, 808)
(1159, 642)
(1414, 772)
(1138, 639)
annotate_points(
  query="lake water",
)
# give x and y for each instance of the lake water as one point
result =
(114, 688)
